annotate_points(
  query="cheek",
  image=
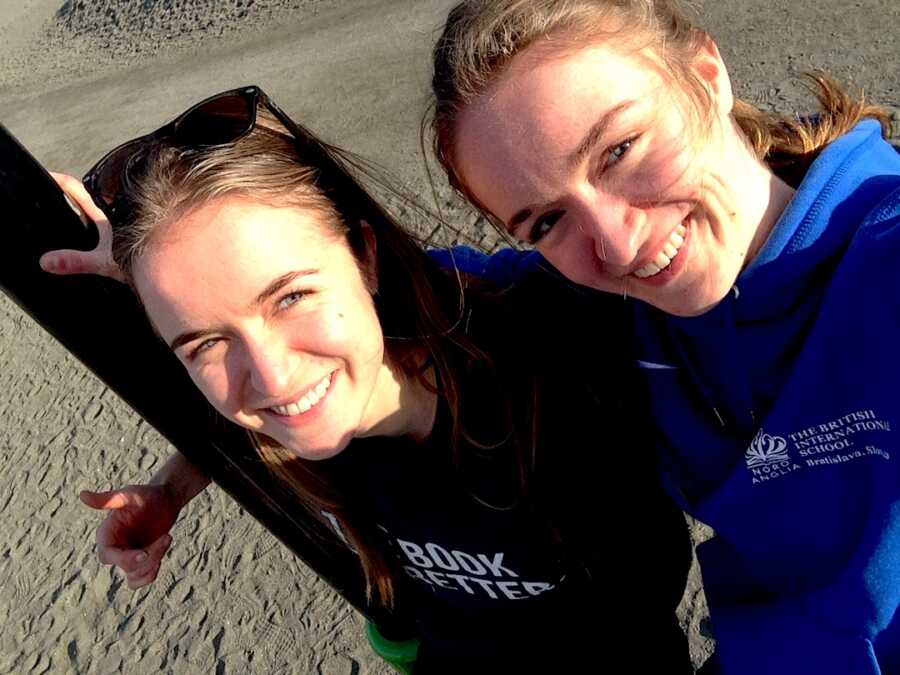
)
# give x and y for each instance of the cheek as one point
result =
(669, 163)
(367, 336)
(575, 257)
(350, 334)
(670, 174)
(214, 383)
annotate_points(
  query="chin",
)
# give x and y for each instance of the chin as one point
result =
(692, 301)
(687, 310)
(319, 450)
(695, 307)
(688, 313)
(317, 455)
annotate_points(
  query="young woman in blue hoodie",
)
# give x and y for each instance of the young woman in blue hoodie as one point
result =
(764, 251)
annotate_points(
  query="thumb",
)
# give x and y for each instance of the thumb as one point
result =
(113, 499)
(66, 261)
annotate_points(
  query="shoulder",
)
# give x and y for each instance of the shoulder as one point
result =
(878, 183)
(543, 316)
(501, 269)
(877, 242)
(530, 320)
(851, 186)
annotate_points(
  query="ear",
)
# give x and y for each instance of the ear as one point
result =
(709, 65)
(370, 262)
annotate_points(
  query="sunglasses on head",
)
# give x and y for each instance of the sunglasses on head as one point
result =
(218, 120)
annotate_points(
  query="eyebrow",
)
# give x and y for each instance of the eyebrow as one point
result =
(184, 338)
(270, 290)
(590, 141)
(279, 283)
(596, 133)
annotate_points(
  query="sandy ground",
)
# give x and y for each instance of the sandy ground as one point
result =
(78, 76)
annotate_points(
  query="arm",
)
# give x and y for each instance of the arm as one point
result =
(134, 536)
(181, 479)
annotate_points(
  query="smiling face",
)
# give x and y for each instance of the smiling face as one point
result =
(594, 156)
(270, 313)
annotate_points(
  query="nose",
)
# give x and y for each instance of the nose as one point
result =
(268, 363)
(613, 227)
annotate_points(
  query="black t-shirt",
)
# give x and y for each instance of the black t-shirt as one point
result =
(470, 566)
(506, 576)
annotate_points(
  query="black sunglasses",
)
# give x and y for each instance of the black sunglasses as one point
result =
(217, 120)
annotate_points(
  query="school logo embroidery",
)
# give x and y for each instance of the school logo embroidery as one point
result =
(855, 436)
(768, 458)
(766, 449)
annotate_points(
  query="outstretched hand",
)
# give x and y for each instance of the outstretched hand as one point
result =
(134, 536)
(99, 260)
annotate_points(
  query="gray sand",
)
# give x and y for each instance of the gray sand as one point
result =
(78, 76)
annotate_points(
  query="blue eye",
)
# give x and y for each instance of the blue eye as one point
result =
(202, 347)
(543, 225)
(290, 299)
(617, 152)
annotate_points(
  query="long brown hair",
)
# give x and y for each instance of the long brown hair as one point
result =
(419, 307)
(481, 38)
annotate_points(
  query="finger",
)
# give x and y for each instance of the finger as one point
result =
(136, 581)
(77, 209)
(111, 499)
(129, 560)
(152, 556)
(74, 188)
(113, 555)
(98, 261)
(66, 261)
(112, 532)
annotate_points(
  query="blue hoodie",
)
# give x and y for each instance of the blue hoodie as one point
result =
(779, 412)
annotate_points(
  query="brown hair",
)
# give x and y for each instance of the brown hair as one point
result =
(481, 37)
(417, 304)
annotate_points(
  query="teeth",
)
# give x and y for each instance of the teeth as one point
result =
(306, 402)
(662, 260)
(647, 271)
(665, 257)
(321, 389)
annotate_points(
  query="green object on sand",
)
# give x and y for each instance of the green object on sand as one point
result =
(401, 655)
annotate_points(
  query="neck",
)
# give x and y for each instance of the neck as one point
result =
(406, 407)
(764, 198)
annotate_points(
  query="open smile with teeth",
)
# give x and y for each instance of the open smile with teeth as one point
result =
(306, 402)
(665, 256)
